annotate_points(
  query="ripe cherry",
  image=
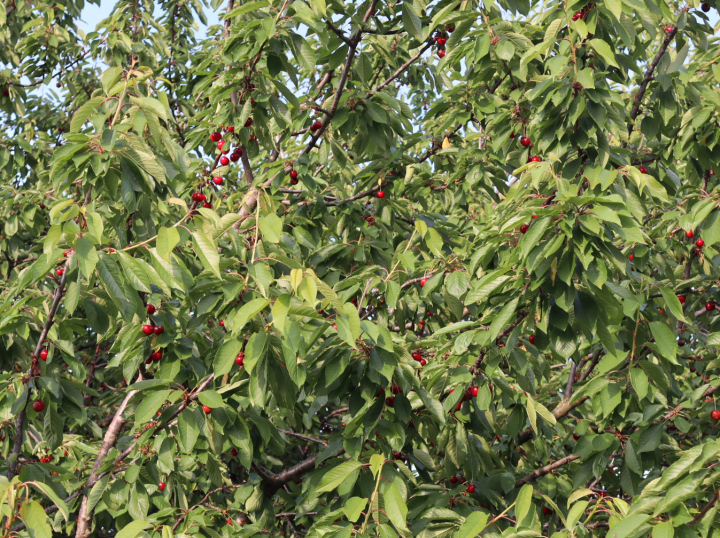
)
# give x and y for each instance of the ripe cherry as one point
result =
(206, 409)
(534, 159)
(525, 141)
(643, 170)
(198, 197)
(235, 156)
(240, 359)
(423, 281)
(524, 228)
(60, 272)
(317, 124)
(390, 402)
(453, 479)
(161, 486)
(450, 28)
(215, 137)
(249, 122)
(416, 356)
(396, 388)
(441, 53)
(381, 194)
(681, 298)
(44, 354)
(220, 145)
(38, 406)
(150, 310)
(473, 390)
(159, 330)
(218, 180)
(705, 7)
(224, 161)
(148, 329)
(423, 362)
(709, 306)
(531, 339)
(631, 257)
(576, 16)
(294, 181)
(234, 452)
(156, 356)
(576, 436)
(669, 28)
(229, 522)
(689, 234)
(700, 243)
(470, 488)
(293, 174)
(335, 326)
(715, 414)
(534, 217)
(441, 41)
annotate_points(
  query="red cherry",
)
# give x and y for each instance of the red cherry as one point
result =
(150, 310)
(576, 436)
(524, 228)
(512, 135)
(42, 206)
(64, 454)
(215, 137)
(148, 329)
(390, 402)
(453, 479)
(224, 161)
(156, 356)
(396, 388)
(60, 272)
(222, 323)
(207, 205)
(643, 170)
(422, 322)
(44, 354)
(293, 174)
(294, 181)
(381, 194)
(159, 330)
(416, 356)
(441, 53)
(709, 306)
(206, 409)
(441, 41)
(148, 360)
(474, 391)
(235, 156)
(577, 15)
(661, 310)
(218, 180)
(631, 257)
(525, 141)
(423, 362)
(233, 452)
(689, 234)
(161, 486)
(240, 359)
(229, 521)
(335, 326)
(248, 123)
(470, 488)
(535, 159)
(669, 28)
(715, 414)
(423, 281)
(38, 406)
(534, 217)
(700, 243)
(220, 145)
(681, 298)
(531, 339)
(450, 28)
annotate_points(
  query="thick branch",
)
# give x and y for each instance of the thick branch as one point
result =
(571, 380)
(542, 471)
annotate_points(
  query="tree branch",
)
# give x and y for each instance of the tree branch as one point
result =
(570, 381)
(399, 71)
(560, 411)
(542, 471)
(646, 80)
(20, 419)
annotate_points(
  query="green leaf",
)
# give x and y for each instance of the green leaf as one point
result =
(148, 407)
(167, 240)
(411, 22)
(83, 113)
(395, 506)
(47, 490)
(335, 476)
(206, 249)
(87, 256)
(131, 530)
(246, 8)
(225, 357)
(211, 398)
(35, 519)
(271, 228)
(248, 312)
(474, 524)
(666, 341)
(354, 507)
(604, 50)
(627, 526)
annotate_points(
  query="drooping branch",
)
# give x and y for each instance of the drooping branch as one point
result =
(399, 70)
(705, 509)
(542, 471)
(20, 419)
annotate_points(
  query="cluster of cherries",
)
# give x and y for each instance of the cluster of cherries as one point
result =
(293, 175)
(395, 389)
(47, 459)
(314, 126)
(441, 39)
(150, 330)
(470, 392)
(582, 13)
(461, 479)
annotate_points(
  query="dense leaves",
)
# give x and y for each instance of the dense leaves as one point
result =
(385, 268)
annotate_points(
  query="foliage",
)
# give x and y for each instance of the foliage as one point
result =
(455, 277)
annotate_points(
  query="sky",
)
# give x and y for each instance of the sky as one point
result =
(92, 14)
